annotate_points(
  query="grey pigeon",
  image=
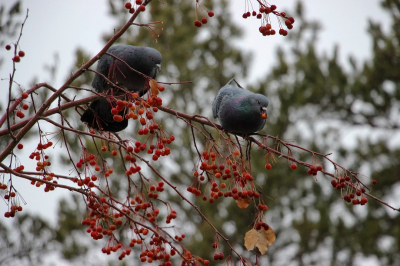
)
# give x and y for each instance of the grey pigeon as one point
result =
(239, 110)
(146, 60)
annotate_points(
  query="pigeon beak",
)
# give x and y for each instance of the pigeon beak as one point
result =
(264, 114)
(158, 67)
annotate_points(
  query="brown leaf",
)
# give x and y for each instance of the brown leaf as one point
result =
(261, 239)
(153, 86)
(250, 239)
(243, 203)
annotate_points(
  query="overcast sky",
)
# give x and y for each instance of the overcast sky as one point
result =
(59, 27)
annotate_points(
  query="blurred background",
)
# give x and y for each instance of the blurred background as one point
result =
(334, 87)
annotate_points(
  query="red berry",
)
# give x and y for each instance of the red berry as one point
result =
(21, 53)
(24, 95)
(268, 166)
(254, 13)
(16, 59)
(293, 166)
(374, 182)
(291, 19)
(132, 10)
(139, 2)
(25, 107)
(142, 8)
(210, 13)
(20, 146)
(8, 47)
(197, 23)
(363, 200)
(204, 20)
(259, 16)
(128, 5)
(283, 14)
(20, 114)
(273, 7)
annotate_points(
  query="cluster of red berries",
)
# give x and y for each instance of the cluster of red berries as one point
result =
(313, 170)
(203, 10)
(153, 215)
(351, 198)
(19, 168)
(219, 256)
(13, 210)
(236, 194)
(159, 188)
(199, 23)
(194, 191)
(139, 6)
(158, 252)
(266, 27)
(19, 113)
(260, 225)
(171, 216)
(16, 58)
(179, 238)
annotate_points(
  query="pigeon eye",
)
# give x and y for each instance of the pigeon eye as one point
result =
(152, 58)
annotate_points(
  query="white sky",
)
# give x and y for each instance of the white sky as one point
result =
(61, 26)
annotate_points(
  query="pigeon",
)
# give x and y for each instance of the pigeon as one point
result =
(239, 110)
(146, 60)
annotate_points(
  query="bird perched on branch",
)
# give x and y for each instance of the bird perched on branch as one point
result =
(239, 110)
(145, 60)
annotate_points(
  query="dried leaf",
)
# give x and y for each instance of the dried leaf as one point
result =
(153, 86)
(261, 239)
(250, 239)
(243, 203)
(267, 238)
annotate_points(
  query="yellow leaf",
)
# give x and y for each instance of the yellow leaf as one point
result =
(261, 239)
(243, 203)
(153, 86)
